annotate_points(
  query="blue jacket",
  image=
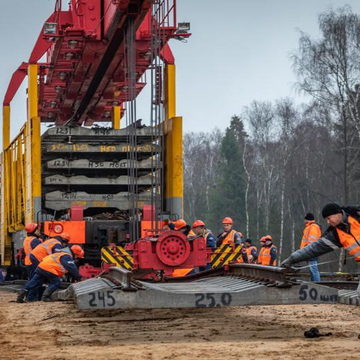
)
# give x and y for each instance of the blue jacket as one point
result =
(67, 261)
(34, 243)
(210, 240)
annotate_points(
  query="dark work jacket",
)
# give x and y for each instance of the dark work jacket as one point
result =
(329, 240)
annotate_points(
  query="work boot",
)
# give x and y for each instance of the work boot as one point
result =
(22, 296)
(46, 295)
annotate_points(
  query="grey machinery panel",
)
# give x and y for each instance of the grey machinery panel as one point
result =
(102, 149)
(98, 164)
(83, 134)
(85, 180)
(58, 200)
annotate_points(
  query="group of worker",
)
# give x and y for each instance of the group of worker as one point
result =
(343, 232)
(267, 255)
(47, 259)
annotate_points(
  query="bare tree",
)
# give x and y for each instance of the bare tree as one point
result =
(328, 69)
(260, 119)
(287, 118)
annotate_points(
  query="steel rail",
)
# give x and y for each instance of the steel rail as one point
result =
(270, 275)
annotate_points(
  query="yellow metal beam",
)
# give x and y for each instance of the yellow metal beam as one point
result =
(116, 117)
(173, 131)
(20, 171)
(32, 91)
(6, 126)
(5, 239)
(5, 210)
(33, 149)
(19, 184)
(174, 183)
(170, 91)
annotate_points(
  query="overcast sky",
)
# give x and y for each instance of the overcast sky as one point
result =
(239, 51)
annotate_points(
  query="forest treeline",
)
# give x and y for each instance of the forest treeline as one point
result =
(276, 161)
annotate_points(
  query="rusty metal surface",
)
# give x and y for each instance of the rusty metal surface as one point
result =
(268, 274)
(122, 278)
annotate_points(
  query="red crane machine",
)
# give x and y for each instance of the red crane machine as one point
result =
(105, 185)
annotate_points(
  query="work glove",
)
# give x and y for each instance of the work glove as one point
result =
(287, 263)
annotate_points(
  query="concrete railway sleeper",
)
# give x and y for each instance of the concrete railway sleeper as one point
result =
(233, 285)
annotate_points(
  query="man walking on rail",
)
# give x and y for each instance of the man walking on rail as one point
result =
(229, 235)
(343, 231)
(311, 233)
(51, 269)
(268, 251)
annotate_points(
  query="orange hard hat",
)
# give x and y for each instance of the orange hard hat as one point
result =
(65, 236)
(31, 227)
(78, 251)
(227, 220)
(197, 223)
(266, 237)
(179, 224)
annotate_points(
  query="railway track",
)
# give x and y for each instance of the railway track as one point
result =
(232, 285)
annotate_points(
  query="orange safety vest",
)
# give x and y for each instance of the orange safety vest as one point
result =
(249, 250)
(264, 255)
(311, 233)
(351, 242)
(229, 238)
(52, 264)
(248, 253)
(27, 248)
(44, 249)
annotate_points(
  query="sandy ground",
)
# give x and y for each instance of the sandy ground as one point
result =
(60, 331)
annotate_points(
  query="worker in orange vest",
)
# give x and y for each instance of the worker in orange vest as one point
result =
(51, 269)
(48, 247)
(33, 238)
(311, 233)
(250, 251)
(199, 229)
(182, 226)
(343, 232)
(268, 251)
(229, 235)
